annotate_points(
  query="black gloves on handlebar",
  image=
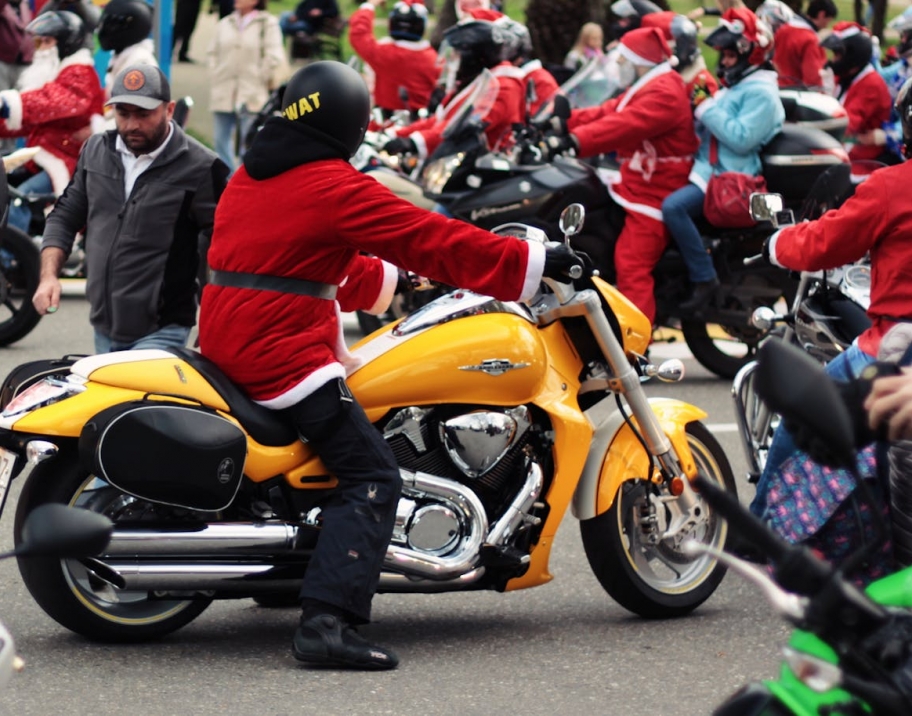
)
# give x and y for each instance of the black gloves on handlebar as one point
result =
(400, 145)
(555, 145)
(559, 260)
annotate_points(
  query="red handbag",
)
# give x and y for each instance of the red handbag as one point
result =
(727, 201)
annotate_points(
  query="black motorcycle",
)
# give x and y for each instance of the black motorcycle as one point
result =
(487, 188)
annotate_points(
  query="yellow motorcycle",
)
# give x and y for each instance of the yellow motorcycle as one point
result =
(501, 416)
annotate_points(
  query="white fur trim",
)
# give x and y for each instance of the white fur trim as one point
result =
(416, 45)
(506, 70)
(643, 209)
(659, 69)
(531, 66)
(634, 57)
(14, 101)
(80, 57)
(309, 385)
(773, 240)
(535, 267)
(387, 290)
(56, 168)
(366, 6)
(421, 145)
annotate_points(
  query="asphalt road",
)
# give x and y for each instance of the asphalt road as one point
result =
(563, 648)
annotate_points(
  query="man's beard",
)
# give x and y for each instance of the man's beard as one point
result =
(44, 68)
(149, 142)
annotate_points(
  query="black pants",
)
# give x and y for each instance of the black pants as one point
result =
(186, 13)
(358, 520)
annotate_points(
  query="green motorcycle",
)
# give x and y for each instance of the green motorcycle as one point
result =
(851, 653)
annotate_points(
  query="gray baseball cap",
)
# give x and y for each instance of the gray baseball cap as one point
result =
(141, 85)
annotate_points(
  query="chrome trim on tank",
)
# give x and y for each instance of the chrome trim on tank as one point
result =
(477, 441)
(457, 304)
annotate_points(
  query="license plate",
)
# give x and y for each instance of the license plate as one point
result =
(7, 462)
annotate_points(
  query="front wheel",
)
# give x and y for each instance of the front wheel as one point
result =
(71, 594)
(657, 578)
(20, 267)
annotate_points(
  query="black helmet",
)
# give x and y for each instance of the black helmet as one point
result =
(903, 107)
(481, 44)
(629, 14)
(124, 23)
(902, 24)
(331, 98)
(407, 21)
(518, 43)
(684, 33)
(741, 31)
(65, 27)
(852, 49)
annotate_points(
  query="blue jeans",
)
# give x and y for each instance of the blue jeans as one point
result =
(224, 128)
(290, 27)
(679, 211)
(172, 336)
(843, 367)
(21, 216)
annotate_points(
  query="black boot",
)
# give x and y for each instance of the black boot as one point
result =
(703, 291)
(327, 640)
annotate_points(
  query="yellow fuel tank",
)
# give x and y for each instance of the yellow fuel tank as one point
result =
(493, 358)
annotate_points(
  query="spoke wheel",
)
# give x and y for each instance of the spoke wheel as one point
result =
(72, 594)
(657, 579)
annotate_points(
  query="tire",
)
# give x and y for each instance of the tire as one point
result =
(708, 350)
(20, 267)
(368, 323)
(69, 593)
(658, 581)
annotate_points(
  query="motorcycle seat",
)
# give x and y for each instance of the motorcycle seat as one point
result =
(265, 426)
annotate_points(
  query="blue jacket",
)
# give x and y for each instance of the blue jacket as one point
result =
(742, 118)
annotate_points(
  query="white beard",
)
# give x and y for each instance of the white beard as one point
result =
(44, 68)
(626, 75)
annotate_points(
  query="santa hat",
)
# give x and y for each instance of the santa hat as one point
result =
(661, 20)
(481, 13)
(645, 46)
(464, 13)
(844, 29)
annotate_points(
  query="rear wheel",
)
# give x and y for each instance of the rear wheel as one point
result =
(721, 350)
(20, 266)
(73, 595)
(659, 580)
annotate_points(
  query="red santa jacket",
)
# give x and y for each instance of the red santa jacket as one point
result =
(867, 102)
(396, 63)
(507, 109)
(56, 116)
(866, 222)
(798, 56)
(651, 128)
(280, 347)
(543, 81)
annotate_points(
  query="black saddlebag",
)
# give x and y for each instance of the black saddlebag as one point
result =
(166, 452)
(27, 374)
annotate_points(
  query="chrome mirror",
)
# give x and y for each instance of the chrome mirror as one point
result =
(571, 220)
(765, 207)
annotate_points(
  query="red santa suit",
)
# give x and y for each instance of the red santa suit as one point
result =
(395, 63)
(499, 97)
(867, 102)
(56, 116)
(280, 347)
(798, 56)
(543, 81)
(875, 219)
(650, 127)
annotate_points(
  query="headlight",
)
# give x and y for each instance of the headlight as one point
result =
(438, 173)
(44, 392)
(812, 671)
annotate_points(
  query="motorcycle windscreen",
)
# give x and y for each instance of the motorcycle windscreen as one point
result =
(169, 453)
(595, 82)
(481, 95)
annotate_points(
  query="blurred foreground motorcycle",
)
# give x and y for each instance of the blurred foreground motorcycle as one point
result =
(501, 416)
(851, 652)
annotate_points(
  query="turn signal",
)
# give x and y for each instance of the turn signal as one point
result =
(676, 486)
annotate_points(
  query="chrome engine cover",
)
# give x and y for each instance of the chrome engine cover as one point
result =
(477, 441)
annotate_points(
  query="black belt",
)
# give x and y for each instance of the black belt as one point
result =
(280, 284)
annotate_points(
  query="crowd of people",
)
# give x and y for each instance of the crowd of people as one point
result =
(162, 214)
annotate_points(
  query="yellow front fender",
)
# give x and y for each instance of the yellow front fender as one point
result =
(616, 455)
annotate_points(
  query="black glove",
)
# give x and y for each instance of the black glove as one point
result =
(552, 125)
(559, 260)
(400, 145)
(4, 109)
(404, 282)
(766, 251)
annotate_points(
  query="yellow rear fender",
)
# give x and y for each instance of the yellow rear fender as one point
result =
(616, 455)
